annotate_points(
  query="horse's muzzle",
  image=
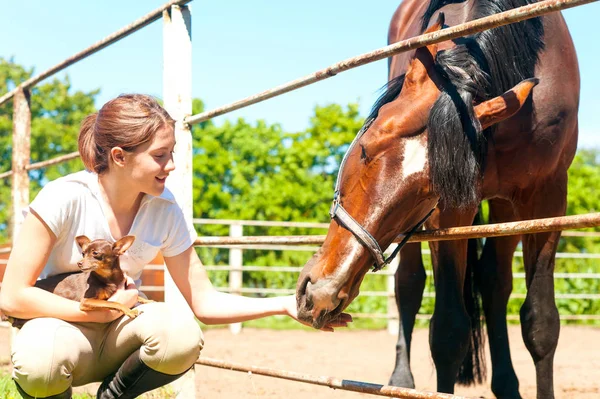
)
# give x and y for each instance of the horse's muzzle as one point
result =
(302, 305)
(317, 303)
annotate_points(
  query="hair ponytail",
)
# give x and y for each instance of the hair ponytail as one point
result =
(87, 143)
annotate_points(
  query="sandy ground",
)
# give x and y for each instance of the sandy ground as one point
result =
(369, 356)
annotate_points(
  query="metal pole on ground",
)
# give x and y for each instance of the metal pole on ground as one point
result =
(331, 382)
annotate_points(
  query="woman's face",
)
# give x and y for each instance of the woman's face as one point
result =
(151, 163)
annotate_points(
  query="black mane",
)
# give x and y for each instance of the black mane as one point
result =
(479, 67)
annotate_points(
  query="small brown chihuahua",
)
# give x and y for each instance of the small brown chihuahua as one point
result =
(98, 280)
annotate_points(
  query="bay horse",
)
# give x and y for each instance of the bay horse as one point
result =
(492, 116)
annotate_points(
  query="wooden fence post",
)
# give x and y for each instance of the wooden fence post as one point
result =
(235, 269)
(177, 97)
(21, 152)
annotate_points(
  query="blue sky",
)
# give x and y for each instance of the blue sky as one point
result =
(243, 47)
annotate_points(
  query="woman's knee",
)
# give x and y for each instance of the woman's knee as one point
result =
(42, 357)
(172, 342)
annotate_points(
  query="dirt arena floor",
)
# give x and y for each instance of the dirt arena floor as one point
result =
(368, 356)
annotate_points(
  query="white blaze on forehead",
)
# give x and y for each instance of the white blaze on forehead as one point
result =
(415, 157)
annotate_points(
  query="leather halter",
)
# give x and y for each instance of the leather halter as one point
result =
(344, 219)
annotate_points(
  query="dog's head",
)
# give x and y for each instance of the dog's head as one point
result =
(102, 256)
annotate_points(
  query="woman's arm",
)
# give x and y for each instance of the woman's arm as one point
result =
(19, 298)
(213, 307)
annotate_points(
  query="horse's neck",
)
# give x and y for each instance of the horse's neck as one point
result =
(407, 22)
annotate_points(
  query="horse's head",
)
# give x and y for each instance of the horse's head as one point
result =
(406, 159)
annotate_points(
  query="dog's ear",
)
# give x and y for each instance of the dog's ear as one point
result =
(83, 242)
(122, 245)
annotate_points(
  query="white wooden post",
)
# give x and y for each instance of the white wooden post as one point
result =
(177, 97)
(21, 152)
(235, 270)
(393, 319)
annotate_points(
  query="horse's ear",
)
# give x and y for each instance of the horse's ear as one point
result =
(424, 56)
(438, 25)
(502, 107)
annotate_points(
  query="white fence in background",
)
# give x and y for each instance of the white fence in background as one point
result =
(236, 268)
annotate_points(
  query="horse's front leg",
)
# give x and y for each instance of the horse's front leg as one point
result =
(410, 283)
(494, 276)
(540, 322)
(450, 329)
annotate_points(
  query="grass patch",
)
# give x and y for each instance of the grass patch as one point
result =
(9, 391)
(7, 387)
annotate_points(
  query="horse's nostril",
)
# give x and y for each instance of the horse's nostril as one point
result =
(302, 288)
(308, 297)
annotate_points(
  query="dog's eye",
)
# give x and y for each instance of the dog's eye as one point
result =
(83, 254)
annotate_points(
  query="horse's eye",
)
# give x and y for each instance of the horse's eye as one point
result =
(363, 153)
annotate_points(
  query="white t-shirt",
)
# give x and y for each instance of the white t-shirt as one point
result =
(72, 205)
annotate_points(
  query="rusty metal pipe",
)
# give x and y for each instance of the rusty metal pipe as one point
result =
(107, 41)
(452, 233)
(478, 25)
(43, 164)
(331, 382)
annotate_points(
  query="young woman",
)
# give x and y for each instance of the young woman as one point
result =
(127, 150)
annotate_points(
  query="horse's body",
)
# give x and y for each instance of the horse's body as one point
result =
(444, 134)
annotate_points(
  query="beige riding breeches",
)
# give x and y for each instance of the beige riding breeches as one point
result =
(50, 355)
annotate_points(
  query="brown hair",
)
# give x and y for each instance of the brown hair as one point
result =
(127, 121)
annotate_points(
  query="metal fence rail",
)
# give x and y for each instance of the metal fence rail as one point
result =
(478, 25)
(236, 269)
(107, 41)
(237, 243)
(452, 233)
(500, 19)
(44, 164)
(178, 75)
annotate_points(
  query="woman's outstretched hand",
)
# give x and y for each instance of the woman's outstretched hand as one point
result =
(289, 304)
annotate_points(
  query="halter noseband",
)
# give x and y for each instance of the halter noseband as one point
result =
(344, 219)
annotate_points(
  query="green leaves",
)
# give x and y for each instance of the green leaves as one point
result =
(259, 172)
(246, 171)
(56, 113)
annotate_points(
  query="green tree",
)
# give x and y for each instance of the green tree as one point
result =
(260, 172)
(56, 112)
(584, 177)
